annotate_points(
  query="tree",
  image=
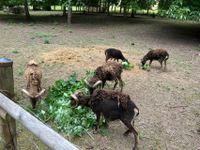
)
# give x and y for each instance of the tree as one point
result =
(146, 4)
(26, 9)
(180, 9)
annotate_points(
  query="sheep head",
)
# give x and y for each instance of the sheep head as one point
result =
(33, 76)
(79, 99)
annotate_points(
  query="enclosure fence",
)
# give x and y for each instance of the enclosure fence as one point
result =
(10, 112)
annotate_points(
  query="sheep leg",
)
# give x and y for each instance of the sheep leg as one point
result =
(116, 82)
(150, 62)
(97, 122)
(33, 102)
(106, 123)
(121, 83)
(131, 128)
(161, 63)
(127, 132)
(103, 84)
(165, 64)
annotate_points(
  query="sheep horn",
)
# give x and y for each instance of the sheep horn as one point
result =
(40, 93)
(97, 83)
(75, 98)
(86, 82)
(27, 93)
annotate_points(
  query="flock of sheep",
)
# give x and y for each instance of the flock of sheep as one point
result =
(111, 104)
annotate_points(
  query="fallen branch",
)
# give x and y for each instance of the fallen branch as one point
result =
(89, 135)
(181, 106)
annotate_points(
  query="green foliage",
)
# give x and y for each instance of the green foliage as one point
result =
(56, 107)
(146, 4)
(11, 2)
(180, 9)
(126, 65)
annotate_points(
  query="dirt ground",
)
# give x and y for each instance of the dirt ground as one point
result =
(169, 101)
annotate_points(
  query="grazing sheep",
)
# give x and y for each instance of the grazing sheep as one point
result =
(157, 54)
(112, 105)
(115, 54)
(110, 71)
(33, 75)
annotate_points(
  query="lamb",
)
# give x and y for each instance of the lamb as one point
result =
(33, 75)
(157, 54)
(111, 71)
(115, 54)
(112, 105)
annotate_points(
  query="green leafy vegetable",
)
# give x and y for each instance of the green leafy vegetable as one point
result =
(56, 107)
(126, 65)
(146, 67)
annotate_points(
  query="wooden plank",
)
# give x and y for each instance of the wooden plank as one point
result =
(48, 136)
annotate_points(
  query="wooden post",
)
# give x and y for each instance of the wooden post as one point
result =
(7, 123)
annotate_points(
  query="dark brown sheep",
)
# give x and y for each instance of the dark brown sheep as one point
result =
(110, 71)
(157, 54)
(112, 53)
(112, 105)
(33, 75)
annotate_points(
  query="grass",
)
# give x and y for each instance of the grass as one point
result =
(198, 48)
(20, 71)
(43, 35)
(104, 131)
(15, 51)
(46, 41)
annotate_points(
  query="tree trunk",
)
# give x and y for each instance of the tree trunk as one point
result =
(64, 11)
(147, 11)
(133, 12)
(99, 6)
(120, 11)
(125, 11)
(28, 17)
(108, 6)
(69, 16)
(115, 10)
(112, 9)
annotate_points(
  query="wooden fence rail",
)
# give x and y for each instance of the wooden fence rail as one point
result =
(48, 136)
